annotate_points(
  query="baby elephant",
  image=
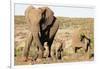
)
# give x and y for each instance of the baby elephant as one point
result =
(56, 49)
(80, 41)
(46, 51)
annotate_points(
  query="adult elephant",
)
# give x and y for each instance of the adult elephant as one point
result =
(42, 26)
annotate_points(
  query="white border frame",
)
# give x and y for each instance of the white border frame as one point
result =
(12, 37)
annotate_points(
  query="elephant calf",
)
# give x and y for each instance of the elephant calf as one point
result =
(80, 41)
(56, 49)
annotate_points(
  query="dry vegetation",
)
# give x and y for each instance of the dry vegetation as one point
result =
(65, 32)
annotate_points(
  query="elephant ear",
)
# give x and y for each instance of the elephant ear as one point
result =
(47, 17)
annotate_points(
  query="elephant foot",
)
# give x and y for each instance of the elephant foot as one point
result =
(25, 59)
(49, 56)
(38, 61)
(40, 57)
(40, 54)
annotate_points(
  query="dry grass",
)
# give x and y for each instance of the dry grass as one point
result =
(67, 27)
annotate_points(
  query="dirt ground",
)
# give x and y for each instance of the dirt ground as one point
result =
(65, 32)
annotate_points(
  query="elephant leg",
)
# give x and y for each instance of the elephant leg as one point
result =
(38, 44)
(40, 53)
(27, 46)
(56, 53)
(88, 46)
(49, 51)
(53, 55)
(52, 34)
(75, 49)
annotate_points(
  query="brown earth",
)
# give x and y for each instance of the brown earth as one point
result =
(65, 32)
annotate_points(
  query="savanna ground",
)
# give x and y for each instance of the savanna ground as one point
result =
(67, 26)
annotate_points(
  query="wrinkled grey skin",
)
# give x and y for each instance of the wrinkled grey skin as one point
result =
(42, 26)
